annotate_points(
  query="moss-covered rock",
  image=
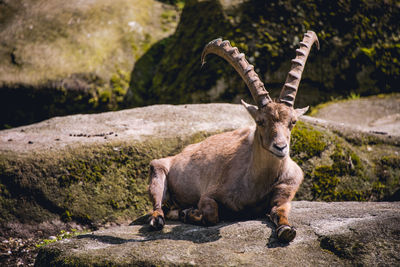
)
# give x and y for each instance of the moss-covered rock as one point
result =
(338, 170)
(92, 169)
(307, 143)
(359, 51)
(92, 184)
(60, 57)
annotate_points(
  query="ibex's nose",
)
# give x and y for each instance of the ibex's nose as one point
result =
(280, 147)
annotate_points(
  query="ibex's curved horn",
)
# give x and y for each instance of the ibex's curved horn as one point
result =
(239, 62)
(289, 90)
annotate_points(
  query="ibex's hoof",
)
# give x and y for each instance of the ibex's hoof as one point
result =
(286, 233)
(157, 223)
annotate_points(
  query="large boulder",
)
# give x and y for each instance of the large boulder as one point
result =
(359, 51)
(64, 57)
(328, 234)
(93, 169)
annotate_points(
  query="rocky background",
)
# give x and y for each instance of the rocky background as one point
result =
(65, 175)
(359, 51)
(60, 58)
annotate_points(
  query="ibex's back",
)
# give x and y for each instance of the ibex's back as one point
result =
(247, 171)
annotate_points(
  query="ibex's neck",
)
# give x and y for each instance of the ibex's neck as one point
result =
(265, 166)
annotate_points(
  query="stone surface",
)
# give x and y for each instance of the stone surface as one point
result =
(376, 114)
(327, 234)
(131, 124)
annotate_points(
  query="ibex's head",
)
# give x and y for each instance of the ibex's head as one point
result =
(275, 119)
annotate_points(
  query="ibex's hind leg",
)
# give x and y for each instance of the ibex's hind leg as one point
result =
(206, 214)
(280, 212)
(157, 191)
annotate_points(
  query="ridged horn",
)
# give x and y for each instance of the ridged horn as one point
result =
(289, 90)
(241, 65)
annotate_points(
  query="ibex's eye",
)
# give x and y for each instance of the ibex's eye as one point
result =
(260, 122)
(292, 123)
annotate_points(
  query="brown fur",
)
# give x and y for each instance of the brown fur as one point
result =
(241, 171)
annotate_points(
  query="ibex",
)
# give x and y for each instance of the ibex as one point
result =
(246, 172)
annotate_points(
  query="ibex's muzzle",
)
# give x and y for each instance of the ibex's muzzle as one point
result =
(279, 149)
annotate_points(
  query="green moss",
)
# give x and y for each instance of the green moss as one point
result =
(62, 235)
(392, 161)
(369, 52)
(340, 171)
(359, 42)
(333, 169)
(333, 182)
(167, 17)
(326, 186)
(379, 189)
(387, 169)
(346, 161)
(105, 97)
(66, 216)
(353, 96)
(352, 195)
(325, 182)
(119, 84)
(307, 143)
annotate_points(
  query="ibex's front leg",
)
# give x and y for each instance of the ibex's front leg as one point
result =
(281, 205)
(157, 191)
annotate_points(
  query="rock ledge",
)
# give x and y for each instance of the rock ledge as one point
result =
(339, 233)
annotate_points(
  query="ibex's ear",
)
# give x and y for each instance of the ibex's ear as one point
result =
(300, 111)
(251, 109)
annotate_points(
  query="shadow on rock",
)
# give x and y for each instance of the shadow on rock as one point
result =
(187, 232)
(273, 241)
(196, 234)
